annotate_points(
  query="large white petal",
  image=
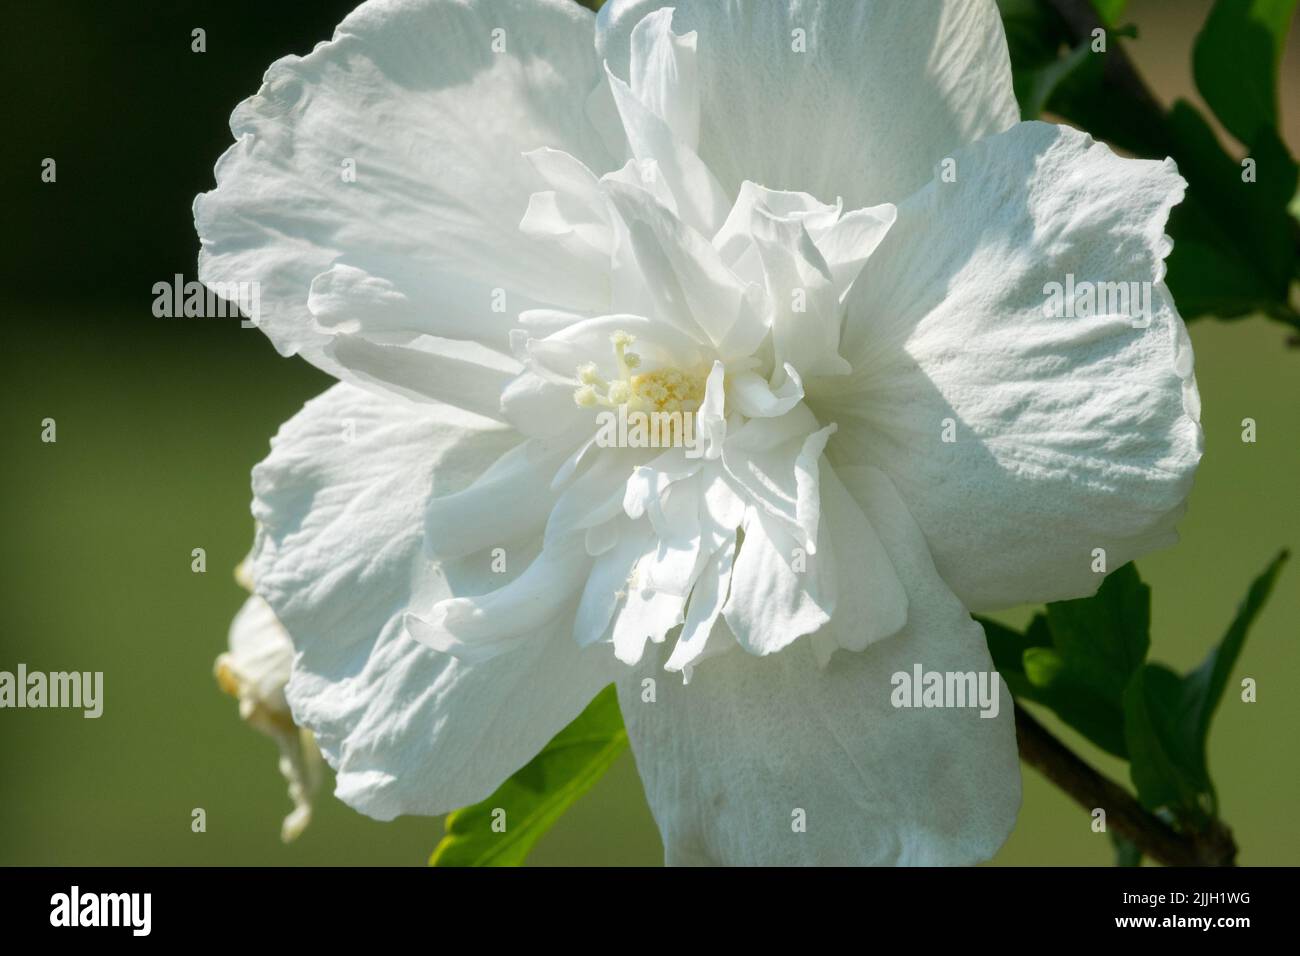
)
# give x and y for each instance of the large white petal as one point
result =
(843, 241)
(483, 626)
(402, 299)
(870, 600)
(804, 300)
(775, 460)
(728, 759)
(341, 557)
(690, 285)
(434, 102)
(777, 594)
(1069, 434)
(695, 193)
(508, 501)
(426, 369)
(883, 91)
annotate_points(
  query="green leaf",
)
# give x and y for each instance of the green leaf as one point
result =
(1044, 54)
(1167, 718)
(539, 794)
(1093, 96)
(1236, 245)
(1035, 35)
(1007, 646)
(1235, 63)
(1110, 10)
(1234, 241)
(1105, 637)
(1165, 767)
(1204, 686)
(1035, 32)
(1238, 253)
(1126, 852)
(1035, 88)
(1078, 657)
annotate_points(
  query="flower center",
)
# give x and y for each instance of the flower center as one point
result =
(663, 390)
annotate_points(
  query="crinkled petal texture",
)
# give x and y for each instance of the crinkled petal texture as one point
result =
(851, 99)
(377, 185)
(1023, 441)
(340, 555)
(495, 231)
(773, 760)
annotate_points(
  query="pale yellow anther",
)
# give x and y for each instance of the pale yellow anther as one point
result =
(621, 341)
(663, 390)
(669, 390)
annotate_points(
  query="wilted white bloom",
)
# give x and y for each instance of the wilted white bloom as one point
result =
(255, 671)
(815, 227)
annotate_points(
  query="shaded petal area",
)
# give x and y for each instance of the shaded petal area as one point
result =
(1023, 441)
(398, 149)
(732, 760)
(872, 93)
(341, 557)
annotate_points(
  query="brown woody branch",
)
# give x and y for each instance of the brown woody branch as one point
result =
(1040, 749)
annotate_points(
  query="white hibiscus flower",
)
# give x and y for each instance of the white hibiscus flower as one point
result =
(491, 229)
(255, 671)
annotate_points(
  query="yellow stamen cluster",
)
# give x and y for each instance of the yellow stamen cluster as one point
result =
(669, 390)
(663, 390)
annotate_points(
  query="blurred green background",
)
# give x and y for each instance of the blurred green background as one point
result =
(159, 421)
